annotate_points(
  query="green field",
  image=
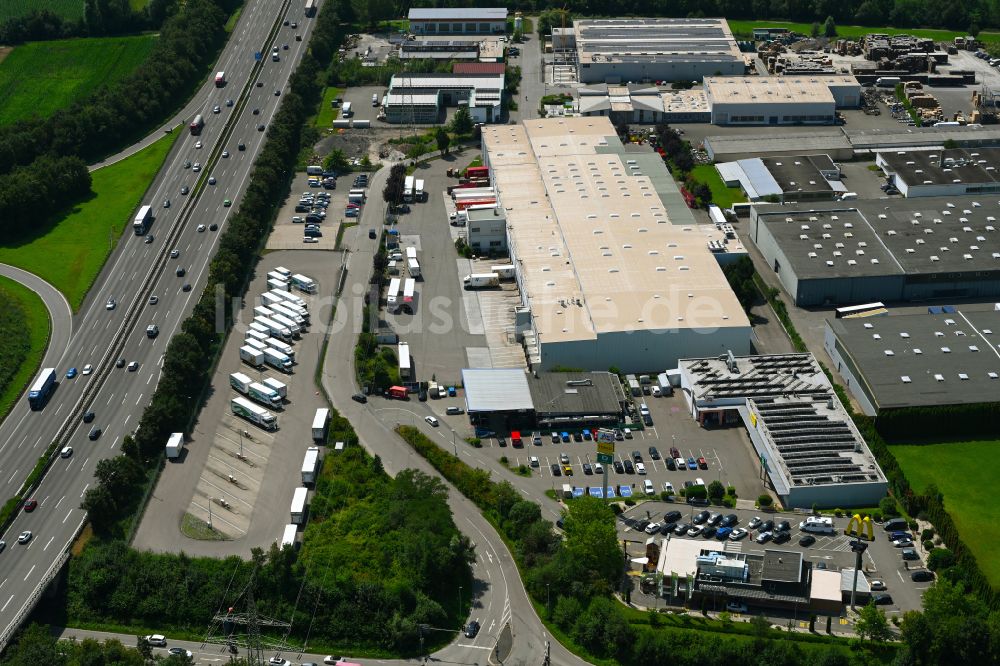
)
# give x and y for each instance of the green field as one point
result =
(71, 9)
(38, 325)
(963, 474)
(41, 77)
(327, 114)
(744, 30)
(70, 251)
(722, 196)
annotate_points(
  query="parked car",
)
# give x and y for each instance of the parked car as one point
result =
(764, 537)
(922, 576)
(653, 453)
(702, 464)
(672, 516)
(471, 629)
(736, 607)
(692, 463)
(629, 468)
(738, 534)
(883, 599)
(723, 533)
(555, 470)
(701, 518)
(878, 585)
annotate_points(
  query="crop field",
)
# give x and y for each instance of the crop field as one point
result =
(963, 473)
(70, 251)
(40, 77)
(744, 30)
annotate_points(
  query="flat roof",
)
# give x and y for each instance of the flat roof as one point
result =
(788, 139)
(712, 380)
(800, 173)
(901, 359)
(768, 90)
(944, 166)
(883, 138)
(783, 566)
(462, 14)
(913, 236)
(582, 393)
(655, 40)
(603, 237)
(448, 81)
(496, 390)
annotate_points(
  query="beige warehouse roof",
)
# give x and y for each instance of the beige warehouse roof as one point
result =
(598, 249)
(786, 89)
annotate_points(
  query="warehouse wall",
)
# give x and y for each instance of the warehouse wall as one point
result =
(771, 113)
(622, 72)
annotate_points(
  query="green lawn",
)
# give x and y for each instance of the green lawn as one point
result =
(233, 18)
(963, 474)
(722, 196)
(39, 327)
(70, 251)
(327, 114)
(40, 77)
(744, 29)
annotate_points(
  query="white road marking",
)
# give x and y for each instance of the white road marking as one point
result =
(138, 399)
(49, 543)
(59, 502)
(7, 604)
(30, 571)
(67, 516)
(11, 477)
(84, 490)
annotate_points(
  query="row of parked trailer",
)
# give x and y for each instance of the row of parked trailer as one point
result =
(279, 318)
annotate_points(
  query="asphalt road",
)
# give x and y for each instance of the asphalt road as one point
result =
(60, 313)
(119, 401)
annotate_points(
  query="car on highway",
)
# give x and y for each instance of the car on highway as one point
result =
(277, 93)
(71, 373)
(157, 640)
(197, 145)
(166, 203)
(30, 505)
(216, 109)
(241, 146)
(187, 164)
(330, 660)
(148, 239)
(88, 416)
(471, 629)
(179, 650)
(260, 128)
(133, 366)
(229, 102)
(66, 452)
(256, 112)
(111, 304)
(284, 47)
(922, 576)
(120, 363)
(227, 203)
(213, 227)
(225, 154)
(24, 537)
(201, 227)
(432, 421)
(260, 84)
(211, 180)
(186, 287)
(175, 253)
(95, 433)
(185, 189)
(153, 300)
(359, 397)
(278, 661)
(738, 534)
(87, 369)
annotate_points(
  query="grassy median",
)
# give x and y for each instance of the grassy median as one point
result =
(24, 335)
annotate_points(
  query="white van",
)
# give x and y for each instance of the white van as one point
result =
(647, 486)
(374, 99)
(699, 482)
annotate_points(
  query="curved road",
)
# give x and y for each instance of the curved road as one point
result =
(60, 313)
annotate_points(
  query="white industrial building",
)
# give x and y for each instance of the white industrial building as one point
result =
(640, 49)
(936, 171)
(642, 103)
(420, 98)
(613, 270)
(458, 21)
(780, 100)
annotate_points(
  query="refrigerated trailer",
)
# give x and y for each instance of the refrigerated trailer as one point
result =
(310, 463)
(265, 395)
(304, 283)
(284, 348)
(277, 360)
(175, 444)
(251, 356)
(320, 420)
(274, 328)
(280, 308)
(277, 284)
(289, 535)
(404, 361)
(251, 412)
(289, 296)
(279, 387)
(287, 323)
(298, 509)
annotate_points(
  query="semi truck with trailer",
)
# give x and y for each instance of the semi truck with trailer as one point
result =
(277, 360)
(304, 283)
(240, 382)
(265, 395)
(284, 271)
(257, 415)
(320, 421)
(274, 328)
(197, 125)
(504, 272)
(175, 444)
(276, 284)
(251, 356)
(220, 79)
(289, 296)
(310, 463)
(280, 387)
(142, 220)
(284, 348)
(286, 312)
(287, 323)
(481, 280)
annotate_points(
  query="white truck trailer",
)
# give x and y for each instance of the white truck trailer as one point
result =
(251, 412)
(309, 465)
(320, 421)
(240, 382)
(304, 283)
(287, 323)
(277, 360)
(175, 444)
(284, 348)
(299, 505)
(251, 356)
(289, 535)
(274, 328)
(481, 280)
(274, 384)
(264, 395)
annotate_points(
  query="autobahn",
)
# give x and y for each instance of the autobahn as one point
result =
(134, 271)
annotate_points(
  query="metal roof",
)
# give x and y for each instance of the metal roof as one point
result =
(581, 393)
(458, 14)
(496, 390)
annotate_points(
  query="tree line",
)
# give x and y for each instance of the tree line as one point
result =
(100, 18)
(37, 645)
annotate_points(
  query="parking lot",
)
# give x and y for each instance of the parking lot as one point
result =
(289, 234)
(243, 472)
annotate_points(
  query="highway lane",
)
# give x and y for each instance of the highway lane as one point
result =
(25, 435)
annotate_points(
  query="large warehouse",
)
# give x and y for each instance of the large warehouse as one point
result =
(941, 357)
(780, 100)
(612, 267)
(421, 98)
(668, 49)
(845, 253)
(458, 21)
(807, 443)
(937, 172)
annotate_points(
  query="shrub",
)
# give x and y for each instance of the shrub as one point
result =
(940, 558)
(927, 534)
(731, 491)
(765, 500)
(629, 502)
(888, 506)
(729, 502)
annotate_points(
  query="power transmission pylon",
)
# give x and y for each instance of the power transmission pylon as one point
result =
(241, 630)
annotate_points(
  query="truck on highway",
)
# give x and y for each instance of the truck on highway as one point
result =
(196, 125)
(220, 79)
(251, 356)
(304, 283)
(240, 382)
(277, 360)
(274, 328)
(320, 420)
(40, 391)
(287, 323)
(481, 280)
(289, 296)
(175, 444)
(257, 415)
(283, 347)
(309, 465)
(142, 220)
(299, 505)
(280, 387)
(265, 395)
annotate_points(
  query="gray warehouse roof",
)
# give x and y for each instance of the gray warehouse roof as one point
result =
(496, 390)
(923, 359)
(578, 393)
(941, 167)
(458, 14)
(712, 380)
(655, 40)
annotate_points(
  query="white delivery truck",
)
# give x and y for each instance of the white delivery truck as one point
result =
(346, 111)
(240, 382)
(304, 283)
(413, 267)
(299, 506)
(309, 465)
(320, 421)
(277, 360)
(277, 284)
(481, 280)
(289, 296)
(817, 525)
(175, 444)
(567, 491)
(274, 328)
(286, 312)
(504, 272)
(265, 396)
(289, 535)
(408, 189)
(274, 384)
(283, 271)
(418, 192)
(251, 412)
(287, 323)
(314, 170)
(251, 356)
(285, 349)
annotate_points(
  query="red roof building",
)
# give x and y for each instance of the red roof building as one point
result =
(488, 68)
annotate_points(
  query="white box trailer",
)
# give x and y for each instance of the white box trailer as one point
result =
(274, 384)
(505, 272)
(289, 296)
(256, 335)
(276, 284)
(275, 275)
(413, 268)
(289, 535)
(261, 311)
(304, 283)
(277, 360)
(251, 412)
(310, 464)
(175, 444)
(274, 328)
(298, 509)
(240, 382)
(287, 312)
(287, 323)
(404, 360)
(284, 348)
(392, 298)
(300, 311)
(265, 395)
(254, 326)
(251, 356)
(256, 344)
(481, 280)
(267, 299)
(320, 421)
(283, 271)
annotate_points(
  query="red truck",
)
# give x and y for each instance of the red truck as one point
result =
(220, 79)
(398, 392)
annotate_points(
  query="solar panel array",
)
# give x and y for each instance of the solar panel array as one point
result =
(759, 377)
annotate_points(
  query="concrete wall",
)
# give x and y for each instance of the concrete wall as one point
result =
(619, 72)
(773, 113)
(772, 253)
(847, 371)
(843, 495)
(484, 232)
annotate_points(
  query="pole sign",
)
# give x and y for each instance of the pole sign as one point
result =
(605, 450)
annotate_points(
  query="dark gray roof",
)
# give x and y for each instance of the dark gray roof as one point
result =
(941, 167)
(799, 173)
(578, 393)
(782, 566)
(909, 375)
